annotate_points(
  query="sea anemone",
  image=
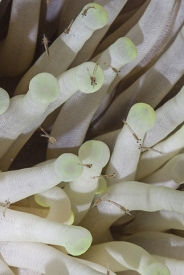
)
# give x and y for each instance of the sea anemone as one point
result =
(91, 137)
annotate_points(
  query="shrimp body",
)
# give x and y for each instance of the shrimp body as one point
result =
(51, 139)
(84, 13)
(100, 200)
(7, 205)
(93, 77)
(45, 42)
(67, 30)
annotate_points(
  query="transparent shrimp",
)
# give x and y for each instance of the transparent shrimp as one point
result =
(48, 3)
(149, 149)
(45, 42)
(67, 30)
(127, 211)
(139, 139)
(7, 205)
(109, 176)
(99, 200)
(132, 131)
(84, 13)
(113, 68)
(93, 77)
(51, 139)
(86, 165)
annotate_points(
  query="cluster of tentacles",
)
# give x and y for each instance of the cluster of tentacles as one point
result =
(91, 134)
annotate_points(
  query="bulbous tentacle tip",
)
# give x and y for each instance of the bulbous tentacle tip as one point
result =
(71, 219)
(44, 88)
(157, 269)
(68, 167)
(142, 115)
(125, 50)
(94, 16)
(89, 77)
(95, 152)
(79, 242)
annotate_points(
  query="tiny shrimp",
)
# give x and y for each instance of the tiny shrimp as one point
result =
(99, 200)
(149, 149)
(50, 138)
(45, 42)
(86, 165)
(93, 77)
(7, 205)
(127, 211)
(109, 176)
(84, 13)
(48, 3)
(67, 30)
(113, 68)
(131, 130)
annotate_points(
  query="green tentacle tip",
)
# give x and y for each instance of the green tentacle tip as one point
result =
(44, 88)
(156, 269)
(4, 101)
(68, 167)
(95, 16)
(40, 200)
(125, 50)
(71, 219)
(95, 152)
(102, 186)
(89, 77)
(142, 114)
(77, 242)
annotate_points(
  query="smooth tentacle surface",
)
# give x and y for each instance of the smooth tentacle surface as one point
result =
(91, 171)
